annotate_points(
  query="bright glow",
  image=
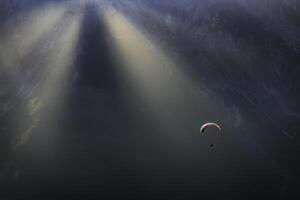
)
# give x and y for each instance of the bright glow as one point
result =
(23, 32)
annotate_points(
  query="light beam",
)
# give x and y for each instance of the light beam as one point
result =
(51, 91)
(156, 77)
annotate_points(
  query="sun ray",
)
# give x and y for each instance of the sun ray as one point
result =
(156, 77)
(51, 91)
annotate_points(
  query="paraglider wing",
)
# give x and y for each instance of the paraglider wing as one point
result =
(209, 124)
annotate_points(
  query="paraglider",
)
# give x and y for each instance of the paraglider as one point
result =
(209, 124)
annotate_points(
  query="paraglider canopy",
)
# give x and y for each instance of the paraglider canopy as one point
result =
(209, 124)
